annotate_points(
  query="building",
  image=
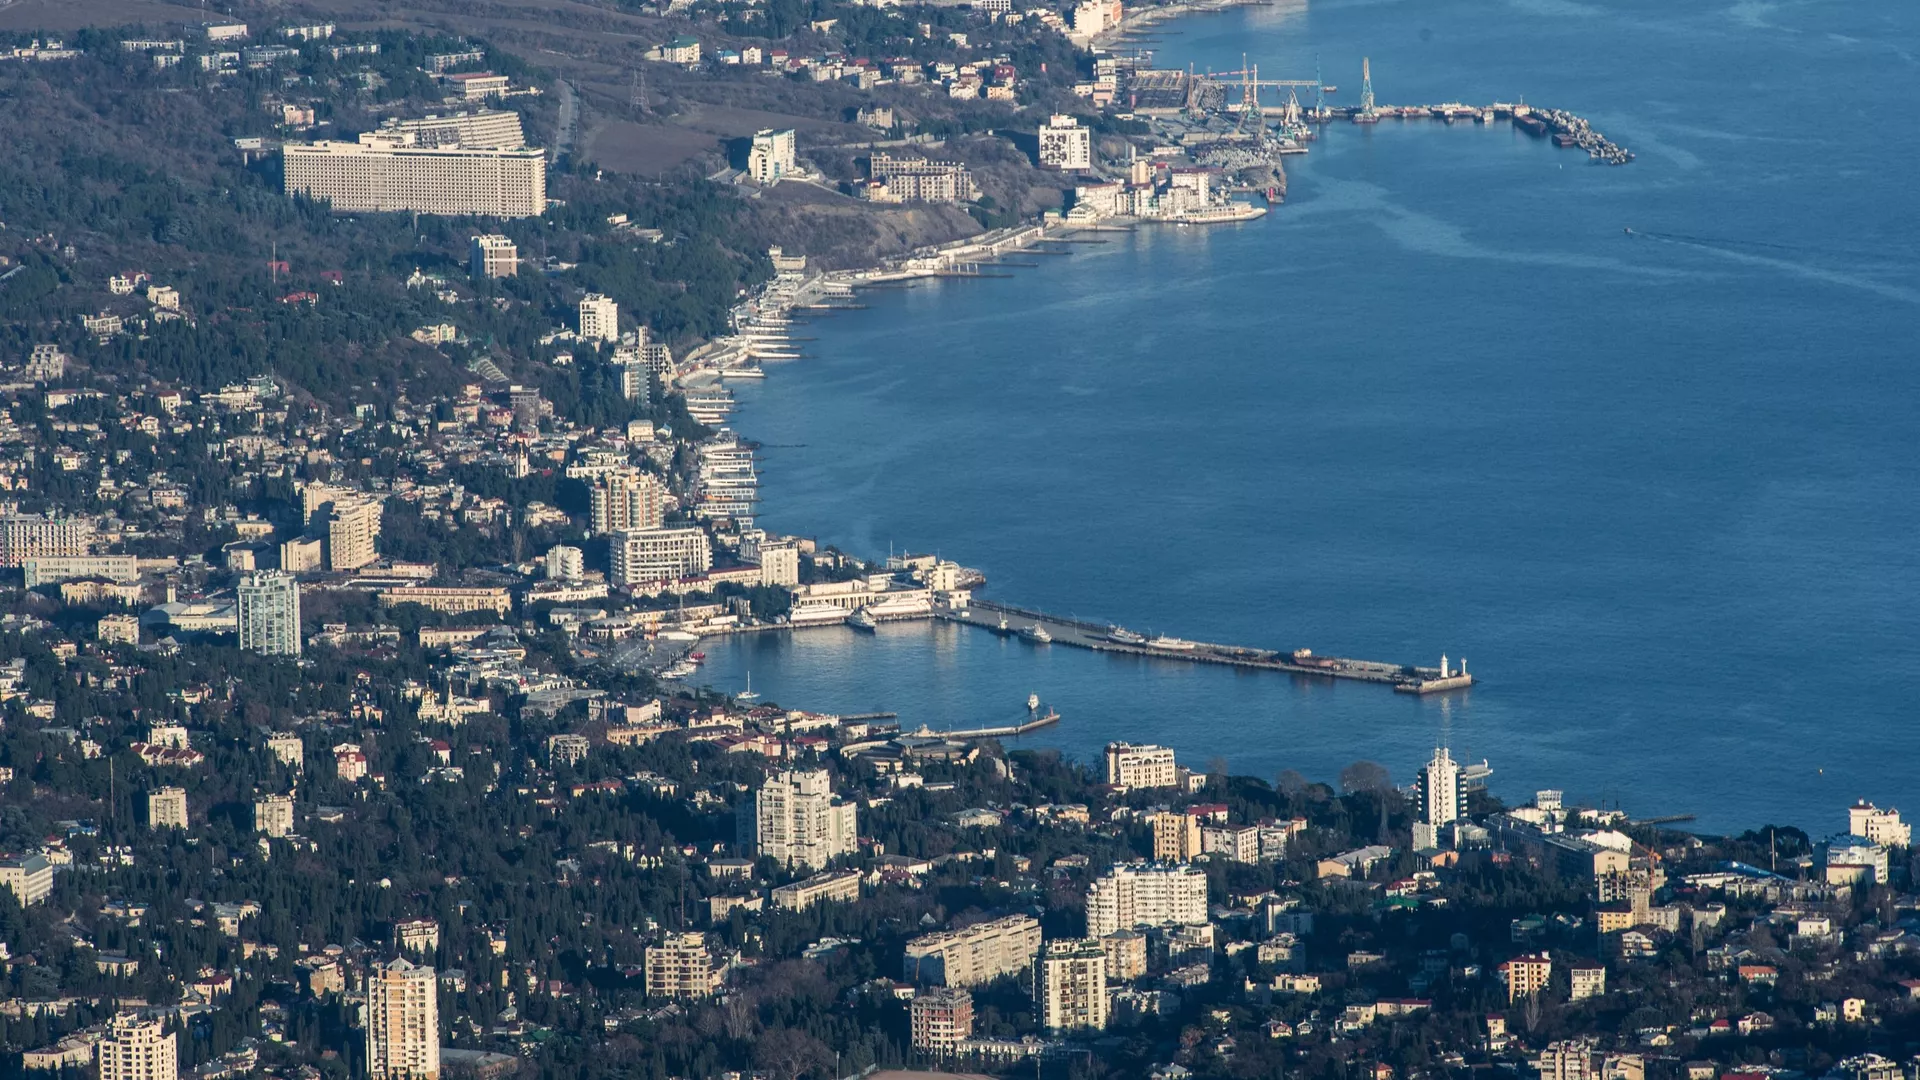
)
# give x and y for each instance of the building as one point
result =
(167, 808)
(29, 876)
(640, 556)
(1132, 895)
(353, 525)
(350, 762)
(1070, 985)
(779, 563)
(1239, 843)
(772, 156)
(273, 815)
(1065, 145)
(683, 49)
(52, 569)
(1131, 766)
(302, 554)
(136, 1049)
(1883, 827)
(599, 318)
(564, 563)
(494, 256)
(117, 630)
(268, 607)
(940, 1019)
(795, 820)
(390, 173)
(478, 85)
(493, 128)
(1849, 858)
(627, 499)
(974, 955)
(1441, 789)
(896, 179)
(31, 536)
(452, 600)
(840, 886)
(1588, 981)
(680, 966)
(1176, 836)
(403, 1022)
(416, 936)
(1126, 955)
(1526, 975)
(567, 749)
(287, 748)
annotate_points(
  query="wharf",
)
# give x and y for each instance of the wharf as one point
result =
(1081, 634)
(1005, 731)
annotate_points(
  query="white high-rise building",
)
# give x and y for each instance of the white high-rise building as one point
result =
(599, 318)
(627, 499)
(973, 955)
(1442, 790)
(167, 808)
(1066, 145)
(136, 1049)
(640, 556)
(403, 1022)
(1880, 826)
(273, 815)
(564, 563)
(1146, 894)
(498, 128)
(680, 966)
(269, 613)
(1070, 985)
(353, 524)
(771, 156)
(1133, 766)
(391, 172)
(796, 821)
(30, 536)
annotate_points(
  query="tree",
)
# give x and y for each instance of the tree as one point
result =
(1365, 776)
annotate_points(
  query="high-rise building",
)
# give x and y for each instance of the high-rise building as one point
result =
(391, 172)
(1135, 894)
(31, 536)
(269, 613)
(1176, 837)
(1066, 145)
(494, 256)
(1442, 790)
(1526, 975)
(599, 318)
(941, 1019)
(771, 156)
(1133, 766)
(167, 808)
(136, 1049)
(273, 815)
(1070, 985)
(679, 966)
(353, 524)
(627, 499)
(496, 128)
(974, 955)
(564, 563)
(403, 1022)
(1880, 826)
(640, 556)
(796, 821)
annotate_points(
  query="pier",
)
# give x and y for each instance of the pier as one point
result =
(1080, 634)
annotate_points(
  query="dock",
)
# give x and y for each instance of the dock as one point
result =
(1081, 634)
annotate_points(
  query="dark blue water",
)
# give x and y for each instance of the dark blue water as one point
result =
(1661, 492)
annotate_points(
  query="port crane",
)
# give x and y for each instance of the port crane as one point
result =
(1252, 117)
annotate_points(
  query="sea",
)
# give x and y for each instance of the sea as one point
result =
(1659, 489)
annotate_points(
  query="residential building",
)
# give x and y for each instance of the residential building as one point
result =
(1441, 790)
(302, 554)
(796, 821)
(839, 886)
(31, 536)
(1070, 985)
(287, 748)
(49, 570)
(29, 876)
(1588, 981)
(268, 605)
(599, 318)
(1883, 827)
(403, 1022)
(564, 563)
(273, 815)
(493, 128)
(1176, 836)
(1126, 955)
(1848, 858)
(779, 563)
(1240, 843)
(453, 600)
(897, 179)
(390, 173)
(494, 256)
(1526, 975)
(1131, 766)
(627, 499)
(1132, 895)
(941, 1019)
(420, 936)
(478, 85)
(117, 630)
(1065, 145)
(353, 525)
(683, 49)
(772, 156)
(974, 955)
(350, 762)
(137, 1049)
(567, 749)
(639, 556)
(167, 808)
(680, 967)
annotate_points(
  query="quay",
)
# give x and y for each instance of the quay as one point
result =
(1404, 678)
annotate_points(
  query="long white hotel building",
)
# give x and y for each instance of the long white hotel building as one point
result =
(391, 171)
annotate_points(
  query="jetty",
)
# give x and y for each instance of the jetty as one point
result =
(1078, 633)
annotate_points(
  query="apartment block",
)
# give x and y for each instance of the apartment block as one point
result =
(1065, 145)
(795, 820)
(1070, 985)
(273, 815)
(1526, 975)
(1131, 766)
(1176, 837)
(353, 526)
(29, 876)
(840, 886)
(31, 536)
(391, 173)
(625, 500)
(403, 1022)
(680, 967)
(772, 156)
(640, 556)
(1133, 895)
(973, 955)
(491, 128)
(49, 570)
(599, 318)
(941, 1019)
(494, 256)
(137, 1049)
(268, 612)
(167, 808)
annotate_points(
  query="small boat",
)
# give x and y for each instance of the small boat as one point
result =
(1033, 702)
(860, 620)
(747, 694)
(1037, 634)
(1002, 628)
(1120, 635)
(698, 657)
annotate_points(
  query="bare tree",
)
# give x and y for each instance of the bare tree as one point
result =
(1290, 783)
(1365, 776)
